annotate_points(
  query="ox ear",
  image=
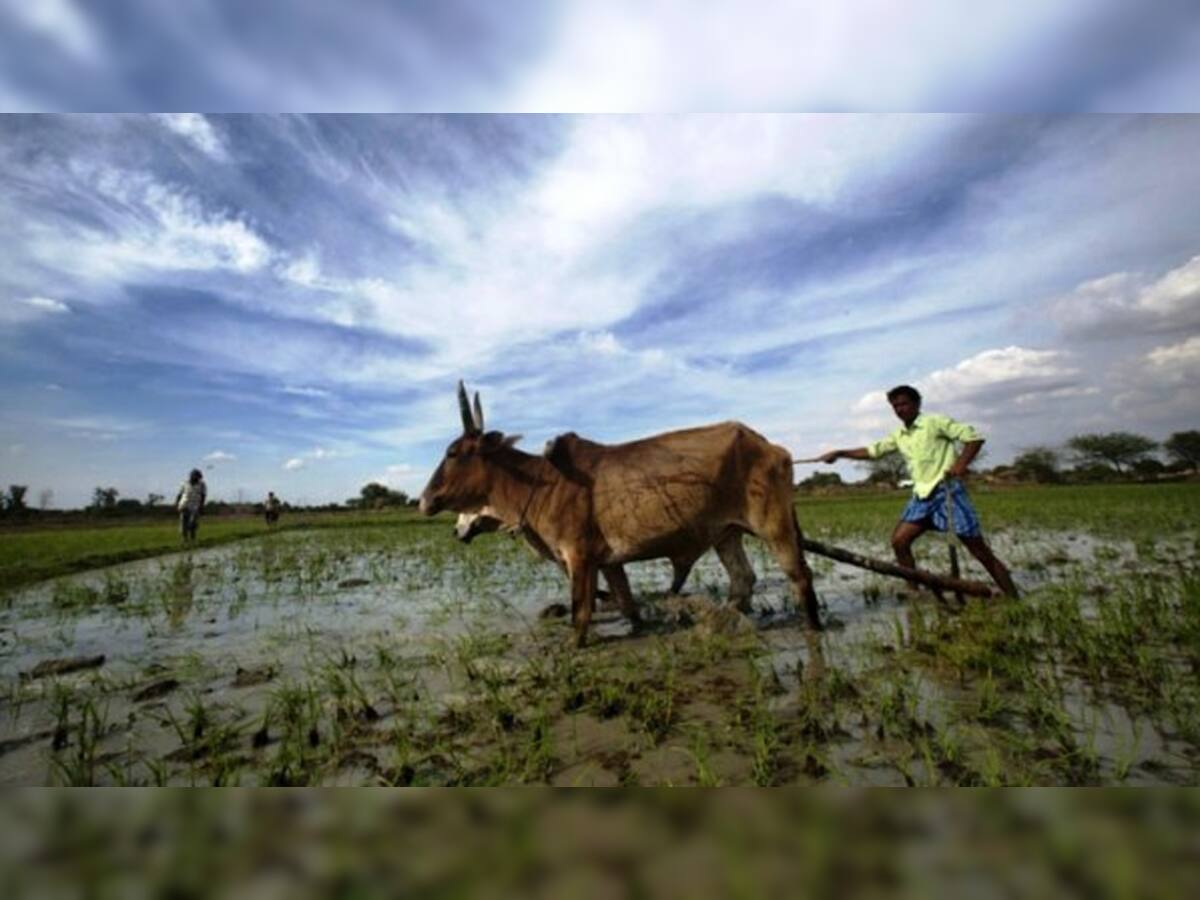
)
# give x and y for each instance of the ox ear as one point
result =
(496, 440)
(478, 412)
(556, 451)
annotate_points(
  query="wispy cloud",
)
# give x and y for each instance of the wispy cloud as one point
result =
(28, 309)
(198, 130)
(219, 456)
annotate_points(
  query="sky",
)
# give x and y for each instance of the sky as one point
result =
(600, 56)
(606, 216)
(289, 302)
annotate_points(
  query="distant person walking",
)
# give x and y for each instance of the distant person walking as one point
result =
(190, 502)
(929, 445)
(271, 508)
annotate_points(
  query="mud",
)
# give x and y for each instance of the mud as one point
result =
(390, 649)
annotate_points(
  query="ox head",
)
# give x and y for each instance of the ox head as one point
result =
(470, 525)
(462, 480)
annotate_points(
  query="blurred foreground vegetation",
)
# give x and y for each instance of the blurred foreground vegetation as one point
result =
(257, 844)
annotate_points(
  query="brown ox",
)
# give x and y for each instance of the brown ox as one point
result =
(663, 496)
(574, 456)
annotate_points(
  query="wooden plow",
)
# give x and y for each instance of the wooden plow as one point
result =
(915, 576)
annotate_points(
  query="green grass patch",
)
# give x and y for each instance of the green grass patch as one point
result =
(35, 555)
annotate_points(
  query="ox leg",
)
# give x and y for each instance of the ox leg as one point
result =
(618, 582)
(783, 536)
(583, 596)
(681, 567)
(602, 596)
(741, 574)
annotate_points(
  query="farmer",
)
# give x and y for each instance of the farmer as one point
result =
(928, 443)
(271, 508)
(190, 501)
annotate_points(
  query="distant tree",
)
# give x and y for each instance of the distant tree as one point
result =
(890, 469)
(377, 496)
(45, 498)
(821, 479)
(104, 498)
(128, 505)
(1184, 447)
(1148, 468)
(1038, 464)
(14, 501)
(1093, 473)
(153, 499)
(1118, 449)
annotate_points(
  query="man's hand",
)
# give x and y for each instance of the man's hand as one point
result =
(831, 456)
(958, 470)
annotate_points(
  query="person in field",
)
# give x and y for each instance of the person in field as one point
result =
(930, 444)
(271, 508)
(190, 502)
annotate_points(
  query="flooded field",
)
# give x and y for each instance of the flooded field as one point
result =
(394, 655)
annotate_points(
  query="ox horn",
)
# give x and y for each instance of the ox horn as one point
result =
(464, 406)
(478, 412)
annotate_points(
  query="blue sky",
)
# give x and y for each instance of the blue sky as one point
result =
(290, 301)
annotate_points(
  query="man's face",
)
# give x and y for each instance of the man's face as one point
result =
(906, 408)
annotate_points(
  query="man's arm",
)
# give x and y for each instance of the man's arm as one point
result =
(851, 453)
(969, 451)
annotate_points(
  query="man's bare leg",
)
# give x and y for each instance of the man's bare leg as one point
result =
(902, 541)
(999, 572)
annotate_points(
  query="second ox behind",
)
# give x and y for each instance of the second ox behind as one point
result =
(662, 496)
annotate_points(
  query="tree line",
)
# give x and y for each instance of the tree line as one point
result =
(1109, 456)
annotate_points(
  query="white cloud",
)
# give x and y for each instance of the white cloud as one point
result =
(46, 304)
(220, 456)
(302, 270)
(31, 309)
(531, 264)
(1122, 303)
(315, 455)
(63, 22)
(98, 427)
(1010, 372)
(1175, 363)
(792, 54)
(152, 226)
(984, 383)
(301, 391)
(1163, 385)
(198, 130)
(401, 477)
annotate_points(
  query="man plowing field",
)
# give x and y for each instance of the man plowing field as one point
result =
(929, 443)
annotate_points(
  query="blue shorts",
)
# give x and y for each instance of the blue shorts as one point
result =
(931, 511)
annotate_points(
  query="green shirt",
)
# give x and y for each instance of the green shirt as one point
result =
(929, 446)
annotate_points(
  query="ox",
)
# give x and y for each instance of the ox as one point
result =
(730, 551)
(663, 496)
(578, 458)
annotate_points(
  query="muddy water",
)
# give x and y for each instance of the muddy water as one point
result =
(231, 624)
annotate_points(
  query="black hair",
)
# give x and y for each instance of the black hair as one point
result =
(195, 476)
(904, 390)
